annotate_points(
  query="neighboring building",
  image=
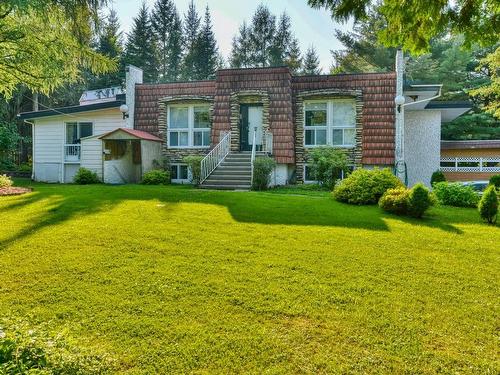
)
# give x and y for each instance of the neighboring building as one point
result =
(470, 160)
(243, 112)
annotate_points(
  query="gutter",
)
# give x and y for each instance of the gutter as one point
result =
(32, 148)
(427, 99)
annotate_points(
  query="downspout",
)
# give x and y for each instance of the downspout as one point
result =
(32, 148)
(399, 165)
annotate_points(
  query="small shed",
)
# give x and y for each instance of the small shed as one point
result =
(127, 154)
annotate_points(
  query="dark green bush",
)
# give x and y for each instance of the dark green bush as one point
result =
(156, 177)
(488, 205)
(365, 186)
(194, 165)
(495, 180)
(419, 200)
(436, 177)
(327, 164)
(262, 168)
(455, 194)
(5, 181)
(24, 350)
(85, 177)
(395, 201)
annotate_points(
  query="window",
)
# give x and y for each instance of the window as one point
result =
(331, 122)
(77, 130)
(189, 126)
(309, 176)
(179, 173)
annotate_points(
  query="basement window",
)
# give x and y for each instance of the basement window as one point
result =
(179, 173)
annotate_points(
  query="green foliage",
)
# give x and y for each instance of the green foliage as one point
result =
(46, 46)
(365, 186)
(395, 201)
(327, 164)
(311, 62)
(194, 164)
(85, 176)
(471, 126)
(495, 180)
(488, 205)
(490, 93)
(24, 350)
(9, 143)
(419, 200)
(262, 168)
(455, 194)
(156, 177)
(437, 176)
(5, 181)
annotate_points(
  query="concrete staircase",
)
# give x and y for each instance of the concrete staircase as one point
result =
(234, 173)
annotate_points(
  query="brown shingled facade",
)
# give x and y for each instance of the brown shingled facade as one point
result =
(278, 88)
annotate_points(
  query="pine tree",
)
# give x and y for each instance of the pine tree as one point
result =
(240, 53)
(294, 59)
(192, 24)
(110, 43)
(140, 49)
(282, 40)
(311, 62)
(262, 36)
(167, 27)
(206, 53)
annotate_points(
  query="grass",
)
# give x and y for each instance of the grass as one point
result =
(177, 280)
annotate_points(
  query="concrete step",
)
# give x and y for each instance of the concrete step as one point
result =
(227, 181)
(235, 164)
(225, 187)
(226, 172)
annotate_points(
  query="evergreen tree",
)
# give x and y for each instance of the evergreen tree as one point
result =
(167, 27)
(206, 56)
(140, 49)
(311, 62)
(281, 43)
(240, 53)
(262, 36)
(294, 59)
(110, 43)
(191, 30)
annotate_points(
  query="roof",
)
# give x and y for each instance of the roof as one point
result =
(72, 109)
(439, 104)
(470, 144)
(134, 133)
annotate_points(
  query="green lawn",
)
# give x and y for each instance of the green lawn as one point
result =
(176, 280)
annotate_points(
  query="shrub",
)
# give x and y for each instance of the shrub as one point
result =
(364, 186)
(327, 164)
(455, 194)
(419, 200)
(5, 181)
(156, 177)
(395, 201)
(194, 165)
(262, 168)
(495, 180)
(85, 177)
(24, 350)
(488, 205)
(436, 177)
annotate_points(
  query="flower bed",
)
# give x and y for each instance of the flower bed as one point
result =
(12, 190)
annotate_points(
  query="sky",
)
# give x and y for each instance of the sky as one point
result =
(311, 26)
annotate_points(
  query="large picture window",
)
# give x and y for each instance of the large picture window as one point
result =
(330, 122)
(188, 126)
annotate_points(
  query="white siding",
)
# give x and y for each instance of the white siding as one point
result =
(422, 144)
(91, 155)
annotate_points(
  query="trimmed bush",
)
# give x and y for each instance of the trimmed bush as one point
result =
(156, 177)
(419, 200)
(456, 194)
(327, 164)
(488, 205)
(85, 176)
(365, 186)
(436, 177)
(395, 201)
(495, 180)
(5, 181)
(194, 165)
(262, 168)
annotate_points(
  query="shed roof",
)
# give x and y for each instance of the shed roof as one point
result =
(133, 133)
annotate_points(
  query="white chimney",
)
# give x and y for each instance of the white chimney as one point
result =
(133, 76)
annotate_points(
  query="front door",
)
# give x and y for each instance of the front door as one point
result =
(251, 120)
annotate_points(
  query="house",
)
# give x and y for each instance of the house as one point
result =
(376, 119)
(470, 160)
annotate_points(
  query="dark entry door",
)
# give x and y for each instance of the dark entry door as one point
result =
(251, 118)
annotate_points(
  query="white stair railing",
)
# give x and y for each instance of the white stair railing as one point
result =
(268, 142)
(216, 156)
(253, 153)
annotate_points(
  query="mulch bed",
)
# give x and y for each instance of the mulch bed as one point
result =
(14, 191)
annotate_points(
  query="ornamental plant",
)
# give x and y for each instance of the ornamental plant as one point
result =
(488, 205)
(419, 200)
(262, 168)
(5, 181)
(412, 202)
(495, 180)
(194, 165)
(456, 194)
(436, 177)
(156, 177)
(327, 164)
(85, 176)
